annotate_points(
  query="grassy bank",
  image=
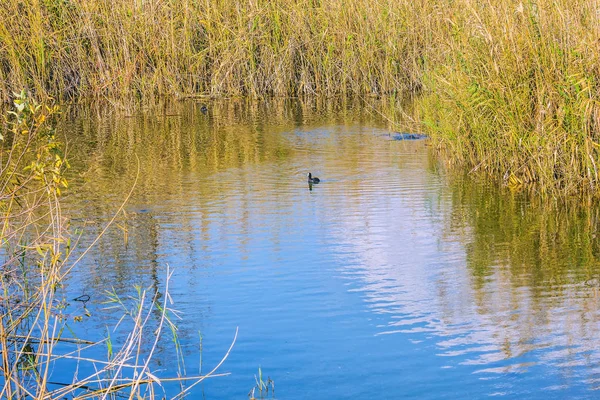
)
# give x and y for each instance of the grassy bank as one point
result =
(517, 95)
(508, 88)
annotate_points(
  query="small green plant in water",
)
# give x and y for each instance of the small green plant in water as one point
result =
(262, 387)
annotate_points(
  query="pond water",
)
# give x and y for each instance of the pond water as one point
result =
(389, 279)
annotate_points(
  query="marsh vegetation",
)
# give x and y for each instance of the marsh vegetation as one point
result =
(508, 88)
(504, 89)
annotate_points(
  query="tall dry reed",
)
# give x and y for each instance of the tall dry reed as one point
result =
(111, 49)
(517, 95)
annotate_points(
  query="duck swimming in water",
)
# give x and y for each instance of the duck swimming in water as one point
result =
(313, 180)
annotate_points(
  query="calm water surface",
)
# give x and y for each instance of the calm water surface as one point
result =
(389, 279)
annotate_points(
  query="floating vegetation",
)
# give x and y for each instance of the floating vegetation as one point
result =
(408, 136)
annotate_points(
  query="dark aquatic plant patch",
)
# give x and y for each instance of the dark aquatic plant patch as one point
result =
(402, 136)
(408, 136)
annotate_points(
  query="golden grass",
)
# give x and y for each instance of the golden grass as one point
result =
(517, 96)
(181, 48)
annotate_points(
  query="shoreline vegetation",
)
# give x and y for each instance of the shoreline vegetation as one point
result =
(40, 353)
(506, 88)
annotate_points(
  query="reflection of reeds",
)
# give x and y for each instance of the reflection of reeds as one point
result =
(533, 268)
(34, 342)
(543, 245)
(234, 133)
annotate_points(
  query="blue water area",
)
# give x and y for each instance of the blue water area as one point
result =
(386, 280)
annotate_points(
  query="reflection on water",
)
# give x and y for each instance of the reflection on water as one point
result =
(387, 279)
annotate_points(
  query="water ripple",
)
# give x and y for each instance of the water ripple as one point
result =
(387, 277)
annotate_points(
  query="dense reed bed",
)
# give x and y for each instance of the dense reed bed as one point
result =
(517, 95)
(509, 88)
(187, 47)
